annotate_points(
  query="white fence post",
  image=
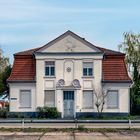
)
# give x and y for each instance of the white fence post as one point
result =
(22, 122)
(129, 124)
(76, 123)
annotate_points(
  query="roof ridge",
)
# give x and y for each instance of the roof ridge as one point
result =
(105, 50)
(27, 52)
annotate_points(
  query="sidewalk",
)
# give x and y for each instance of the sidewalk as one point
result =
(69, 136)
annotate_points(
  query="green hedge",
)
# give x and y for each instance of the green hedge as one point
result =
(3, 113)
(47, 112)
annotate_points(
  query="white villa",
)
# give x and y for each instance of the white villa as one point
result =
(64, 74)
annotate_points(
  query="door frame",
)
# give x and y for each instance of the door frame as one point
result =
(74, 112)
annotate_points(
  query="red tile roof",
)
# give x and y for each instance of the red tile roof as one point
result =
(23, 69)
(114, 69)
(113, 66)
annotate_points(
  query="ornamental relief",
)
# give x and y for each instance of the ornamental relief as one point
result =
(74, 84)
(69, 46)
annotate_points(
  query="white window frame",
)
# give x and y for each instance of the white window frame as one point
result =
(20, 100)
(50, 69)
(113, 107)
(87, 69)
(45, 97)
(87, 107)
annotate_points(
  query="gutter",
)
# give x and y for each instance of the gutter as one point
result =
(118, 81)
(19, 81)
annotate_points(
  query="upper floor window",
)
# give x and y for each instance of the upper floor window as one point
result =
(49, 68)
(87, 68)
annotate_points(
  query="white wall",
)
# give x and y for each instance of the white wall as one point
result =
(124, 100)
(15, 93)
(124, 96)
(40, 82)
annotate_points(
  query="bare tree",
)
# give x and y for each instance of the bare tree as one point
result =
(100, 95)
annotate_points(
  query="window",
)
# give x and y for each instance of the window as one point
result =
(113, 99)
(49, 68)
(87, 68)
(49, 98)
(25, 98)
(87, 99)
(68, 95)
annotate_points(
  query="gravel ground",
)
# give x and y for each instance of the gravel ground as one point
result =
(69, 136)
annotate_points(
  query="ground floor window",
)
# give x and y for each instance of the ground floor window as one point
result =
(88, 99)
(113, 99)
(49, 98)
(25, 98)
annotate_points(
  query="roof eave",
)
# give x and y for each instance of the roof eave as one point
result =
(21, 81)
(116, 81)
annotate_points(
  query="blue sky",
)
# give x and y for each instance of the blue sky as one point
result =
(26, 24)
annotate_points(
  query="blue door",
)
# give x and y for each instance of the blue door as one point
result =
(68, 98)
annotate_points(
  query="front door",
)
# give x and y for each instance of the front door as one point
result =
(68, 98)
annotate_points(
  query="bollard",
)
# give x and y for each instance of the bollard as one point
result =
(129, 124)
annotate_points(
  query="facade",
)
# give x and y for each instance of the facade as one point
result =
(65, 73)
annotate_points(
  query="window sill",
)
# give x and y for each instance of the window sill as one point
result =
(13, 98)
(88, 108)
(87, 76)
(25, 107)
(112, 108)
(49, 77)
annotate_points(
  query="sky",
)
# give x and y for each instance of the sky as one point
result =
(26, 24)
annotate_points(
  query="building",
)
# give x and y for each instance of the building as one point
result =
(64, 73)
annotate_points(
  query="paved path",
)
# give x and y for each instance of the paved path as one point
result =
(69, 136)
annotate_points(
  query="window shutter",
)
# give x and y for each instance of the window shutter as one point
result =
(25, 98)
(49, 98)
(87, 99)
(112, 99)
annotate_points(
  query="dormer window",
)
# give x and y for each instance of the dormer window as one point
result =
(49, 68)
(87, 68)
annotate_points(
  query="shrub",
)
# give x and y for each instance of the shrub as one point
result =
(81, 127)
(47, 112)
(3, 113)
(13, 115)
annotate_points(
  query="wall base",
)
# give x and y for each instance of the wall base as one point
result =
(105, 114)
(78, 114)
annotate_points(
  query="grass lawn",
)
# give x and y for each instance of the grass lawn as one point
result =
(79, 129)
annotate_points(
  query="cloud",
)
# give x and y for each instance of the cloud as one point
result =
(28, 10)
(29, 23)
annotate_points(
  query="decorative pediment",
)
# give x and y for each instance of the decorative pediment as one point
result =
(68, 42)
